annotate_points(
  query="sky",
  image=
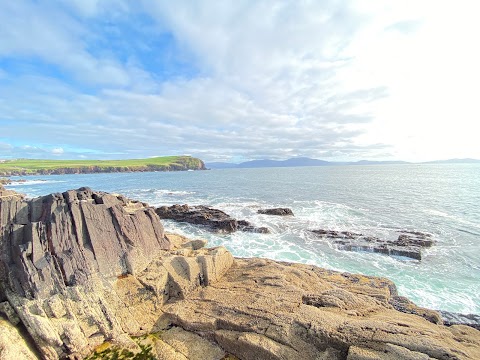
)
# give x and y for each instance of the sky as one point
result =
(240, 80)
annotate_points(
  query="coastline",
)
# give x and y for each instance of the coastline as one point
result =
(28, 167)
(192, 296)
(445, 279)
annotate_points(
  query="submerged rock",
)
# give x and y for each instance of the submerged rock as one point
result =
(408, 244)
(216, 220)
(276, 211)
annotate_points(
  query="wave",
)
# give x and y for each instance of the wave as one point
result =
(452, 217)
(33, 182)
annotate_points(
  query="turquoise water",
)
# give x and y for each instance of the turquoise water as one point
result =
(443, 200)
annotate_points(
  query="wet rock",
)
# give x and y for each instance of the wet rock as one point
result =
(451, 318)
(336, 234)
(408, 244)
(246, 226)
(214, 219)
(276, 211)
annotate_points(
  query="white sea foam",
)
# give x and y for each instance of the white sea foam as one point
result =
(33, 182)
(164, 192)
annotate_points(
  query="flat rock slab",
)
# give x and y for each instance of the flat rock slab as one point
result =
(408, 244)
(262, 309)
(214, 219)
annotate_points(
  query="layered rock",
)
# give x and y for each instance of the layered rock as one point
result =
(264, 309)
(82, 267)
(451, 318)
(408, 244)
(13, 344)
(214, 219)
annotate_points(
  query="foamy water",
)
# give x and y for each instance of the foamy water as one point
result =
(373, 200)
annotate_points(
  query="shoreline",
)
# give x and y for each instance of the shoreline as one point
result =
(336, 268)
(91, 269)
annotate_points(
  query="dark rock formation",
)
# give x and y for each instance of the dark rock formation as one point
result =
(216, 220)
(276, 211)
(451, 318)
(69, 236)
(56, 249)
(408, 243)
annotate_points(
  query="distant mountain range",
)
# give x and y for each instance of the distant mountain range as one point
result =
(305, 161)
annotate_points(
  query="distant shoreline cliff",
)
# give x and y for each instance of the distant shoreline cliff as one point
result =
(23, 167)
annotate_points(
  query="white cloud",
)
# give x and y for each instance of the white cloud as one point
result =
(46, 32)
(57, 151)
(342, 80)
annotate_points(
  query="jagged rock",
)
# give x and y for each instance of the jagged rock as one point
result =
(216, 220)
(451, 318)
(276, 211)
(83, 266)
(408, 243)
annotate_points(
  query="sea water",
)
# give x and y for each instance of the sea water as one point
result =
(375, 200)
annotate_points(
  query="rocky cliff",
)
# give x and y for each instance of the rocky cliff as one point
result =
(84, 271)
(58, 167)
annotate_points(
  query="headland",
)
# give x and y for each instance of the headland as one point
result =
(22, 167)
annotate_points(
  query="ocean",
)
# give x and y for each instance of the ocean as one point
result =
(377, 200)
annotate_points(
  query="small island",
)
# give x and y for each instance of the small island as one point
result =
(21, 167)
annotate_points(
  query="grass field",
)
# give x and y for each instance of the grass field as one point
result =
(33, 166)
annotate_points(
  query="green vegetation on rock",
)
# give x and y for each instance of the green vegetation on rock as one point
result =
(47, 167)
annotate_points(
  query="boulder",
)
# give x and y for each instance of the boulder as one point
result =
(276, 211)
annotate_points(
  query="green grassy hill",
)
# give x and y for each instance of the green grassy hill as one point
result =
(47, 167)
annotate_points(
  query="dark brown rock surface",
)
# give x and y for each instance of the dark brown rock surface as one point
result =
(276, 211)
(214, 219)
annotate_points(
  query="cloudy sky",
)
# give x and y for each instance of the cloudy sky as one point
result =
(240, 80)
